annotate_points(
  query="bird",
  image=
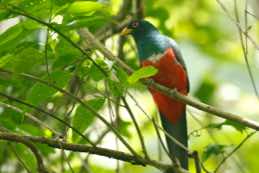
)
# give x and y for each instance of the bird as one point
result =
(163, 53)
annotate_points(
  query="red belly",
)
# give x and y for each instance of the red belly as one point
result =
(171, 74)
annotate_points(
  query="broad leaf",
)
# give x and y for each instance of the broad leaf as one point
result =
(143, 72)
(40, 93)
(83, 117)
(212, 149)
(84, 7)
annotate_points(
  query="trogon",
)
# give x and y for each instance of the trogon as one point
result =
(162, 52)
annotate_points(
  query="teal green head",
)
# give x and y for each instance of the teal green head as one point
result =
(148, 39)
(139, 28)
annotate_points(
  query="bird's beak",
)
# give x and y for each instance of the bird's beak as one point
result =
(126, 31)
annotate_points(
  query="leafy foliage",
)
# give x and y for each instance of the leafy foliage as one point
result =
(41, 63)
(213, 149)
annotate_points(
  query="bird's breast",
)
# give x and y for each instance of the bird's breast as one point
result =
(170, 72)
(172, 75)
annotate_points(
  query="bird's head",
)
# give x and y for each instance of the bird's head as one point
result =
(138, 28)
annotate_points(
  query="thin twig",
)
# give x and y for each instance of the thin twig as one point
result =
(197, 161)
(160, 128)
(238, 25)
(47, 41)
(239, 165)
(252, 14)
(31, 117)
(233, 151)
(141, 138)
(172, 157)
(45, 112)
(244, 44)
(19, 158)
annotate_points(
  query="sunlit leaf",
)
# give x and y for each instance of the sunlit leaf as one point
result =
(124, 128)
(143, 72)
(213, 150)
(236, 125)
(83, 7)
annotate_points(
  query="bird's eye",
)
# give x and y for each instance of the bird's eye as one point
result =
(134, 24)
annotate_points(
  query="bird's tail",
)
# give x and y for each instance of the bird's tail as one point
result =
(179, 132)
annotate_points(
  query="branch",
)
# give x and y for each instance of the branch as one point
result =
(117, 23)
(139, 9)
(141, 138)
(46, 113)
(173, 93)
(136, 160)
(244, 45)
(29, 144)
(34, 78)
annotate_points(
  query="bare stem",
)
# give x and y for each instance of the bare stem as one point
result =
(233, 151)
(141, 138)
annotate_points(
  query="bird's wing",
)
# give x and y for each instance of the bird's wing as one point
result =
(179, 57)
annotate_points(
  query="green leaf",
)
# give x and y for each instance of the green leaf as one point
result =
(143, 72)
(212, 149)
(4, 14)
(83, 117)
(84, 7)
(89, 21)
(215, 125)
(30, 56)
(123, 128)
(116, 88)
(95, 73)
(7, 122)
(27, 156)
(31, 129)
(122, 76)
(238, 126)
(11, 34)
(10, 119)
(40, 93)
(206, 90)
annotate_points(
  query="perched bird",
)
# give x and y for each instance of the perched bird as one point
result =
(162, 52)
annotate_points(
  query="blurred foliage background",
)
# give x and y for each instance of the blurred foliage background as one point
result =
(209, 41)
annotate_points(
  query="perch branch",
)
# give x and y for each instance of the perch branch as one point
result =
(15, 138)
(136, 160)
